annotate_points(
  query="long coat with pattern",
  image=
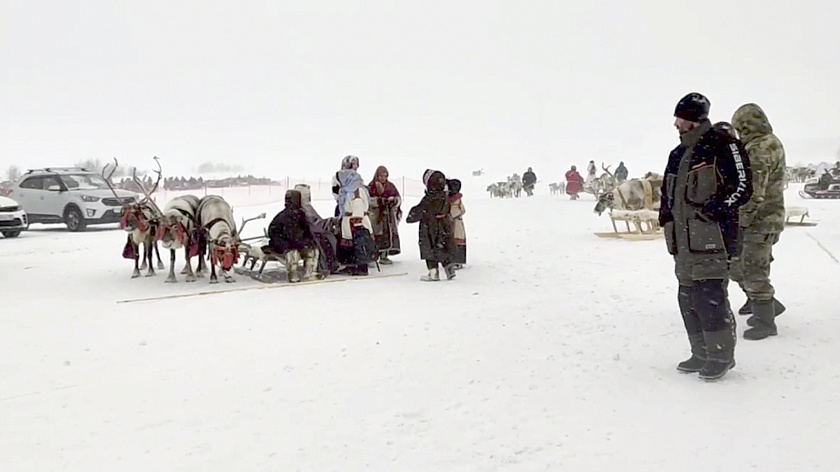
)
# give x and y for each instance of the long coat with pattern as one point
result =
(385, 215)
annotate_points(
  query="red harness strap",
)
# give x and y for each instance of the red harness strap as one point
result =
(227, 255)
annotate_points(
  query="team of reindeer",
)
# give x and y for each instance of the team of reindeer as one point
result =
(512, 187)
(203, 227)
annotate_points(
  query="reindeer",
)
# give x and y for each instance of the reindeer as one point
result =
(218, 235)
(139, 219)
(499, 190)
(505, 190)
(142, 220)
(179, 229)
(632, 195)
(557, 188)
(515, 184)
(635, 200)
(601, 184)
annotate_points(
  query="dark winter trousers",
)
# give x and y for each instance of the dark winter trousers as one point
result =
(432, 265)
(704, 307)
(751, 270)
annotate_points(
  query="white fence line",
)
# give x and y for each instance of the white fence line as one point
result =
(255, 195)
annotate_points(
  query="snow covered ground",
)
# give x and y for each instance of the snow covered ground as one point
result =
(553, 350)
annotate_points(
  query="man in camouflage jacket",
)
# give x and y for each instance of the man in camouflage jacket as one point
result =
(762, 220)
(706, 180)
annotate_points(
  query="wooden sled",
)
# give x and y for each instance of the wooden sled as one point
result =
(644, 221)
(631, 236)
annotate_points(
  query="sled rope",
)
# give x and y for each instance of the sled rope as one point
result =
(259, 287)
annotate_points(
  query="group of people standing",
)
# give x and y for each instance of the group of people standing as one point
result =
(575, 183)
(722, 211)
(365, 225)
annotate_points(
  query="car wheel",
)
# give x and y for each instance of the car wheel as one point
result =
(74, 220)
(11, 234)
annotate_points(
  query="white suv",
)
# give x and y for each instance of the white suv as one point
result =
(12, 219)
(70, 195)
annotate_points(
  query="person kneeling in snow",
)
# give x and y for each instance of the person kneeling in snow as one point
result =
(289, 235)
(437, 245)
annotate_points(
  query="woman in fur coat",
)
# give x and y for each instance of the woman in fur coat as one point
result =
(385, 214)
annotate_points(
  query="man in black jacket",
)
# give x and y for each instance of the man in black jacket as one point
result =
(529, 179)
(707, 179)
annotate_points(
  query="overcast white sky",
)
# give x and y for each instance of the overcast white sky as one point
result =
(290, 87)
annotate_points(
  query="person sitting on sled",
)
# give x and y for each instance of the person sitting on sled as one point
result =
(289, 235)
(323, 232)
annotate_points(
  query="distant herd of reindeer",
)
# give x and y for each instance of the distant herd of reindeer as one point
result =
(202, 227)
(643, 193)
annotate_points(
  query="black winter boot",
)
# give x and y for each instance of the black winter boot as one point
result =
(751, 321)
(698, 354)
(747, 309)
(720, 346)
(450, 271)
(765, 325)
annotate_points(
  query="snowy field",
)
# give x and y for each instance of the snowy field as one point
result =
(553, 350)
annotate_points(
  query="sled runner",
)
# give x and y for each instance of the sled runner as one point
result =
(331, 279)
(631, 236)
(644, 221)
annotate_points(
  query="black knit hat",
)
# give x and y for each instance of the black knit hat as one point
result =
(693, 107)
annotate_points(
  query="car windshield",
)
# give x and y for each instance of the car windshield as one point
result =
(84, 181)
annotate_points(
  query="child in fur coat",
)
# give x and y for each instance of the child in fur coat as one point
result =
(457, 211)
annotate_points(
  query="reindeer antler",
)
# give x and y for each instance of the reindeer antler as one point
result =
(159, 172)
(607, 170)
(244, 220)
(148, 200)
(108, 177)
